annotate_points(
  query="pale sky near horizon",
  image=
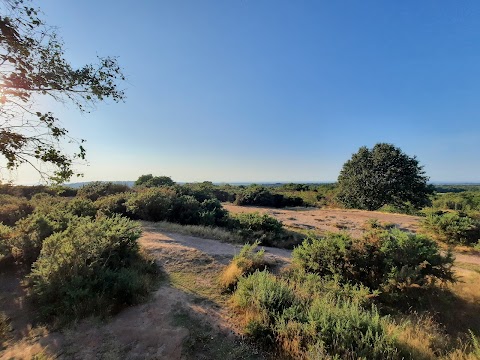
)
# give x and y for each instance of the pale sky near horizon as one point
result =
(253, 91)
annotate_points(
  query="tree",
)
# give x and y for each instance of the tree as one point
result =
(380, 176)
(154, 181)
(32, 66)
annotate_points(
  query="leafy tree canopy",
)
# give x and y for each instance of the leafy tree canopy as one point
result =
(32, 66)
(380, 176)
(154, 181)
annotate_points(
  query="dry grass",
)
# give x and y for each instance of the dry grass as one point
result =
(205, 232)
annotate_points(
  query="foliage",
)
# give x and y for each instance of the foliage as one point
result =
(256, 227)
(13, 209)
(152, 204)
(50, 215)
(23, 191)
(261, 196)
(452, 227)
(154, 181)
(90, 267)
(381, 176)
(384, 260)
(32, 65)
(462, 201)
(245, 262)
(314, 323)
(97, 189)
(113, 204)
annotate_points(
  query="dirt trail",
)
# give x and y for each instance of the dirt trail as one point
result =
(146, 331)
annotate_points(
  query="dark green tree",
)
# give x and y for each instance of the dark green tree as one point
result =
(380, 176)
(154, 181)
(32, 66)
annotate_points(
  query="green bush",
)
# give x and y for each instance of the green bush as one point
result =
(245, 262)
(50, 215)
(253, 227)
(185, 210)
(13, 209)
(30, 233)
(152, 204)
(314, 323)
(383, 260)
(113, 204)
(93, 267)
(261, 196)
(154, 181)
(212, 213)
(98, 189)
(452, 227)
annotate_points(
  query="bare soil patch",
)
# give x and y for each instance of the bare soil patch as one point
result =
(324, 220)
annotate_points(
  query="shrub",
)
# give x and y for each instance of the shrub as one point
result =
(30, 233)
(113, 204)
(313, 323)
(185, 210)
(13, 209)
(383, 260)
(245, 262)
(152, 204)
(452, 227)
(253, 227)
(51, 215)
(212, 213)
(6, 233)
(98, 189)
(261, 196)
(93, 267)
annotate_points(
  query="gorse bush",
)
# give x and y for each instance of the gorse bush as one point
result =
(388, 261)
(153, 204)
(13, 209)
(261, 196)
(98, 189)
(452, 227)
(113, 204)
(92, 267)
(246, 261)
(255, 227)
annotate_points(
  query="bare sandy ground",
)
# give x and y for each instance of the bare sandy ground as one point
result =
(334, 220)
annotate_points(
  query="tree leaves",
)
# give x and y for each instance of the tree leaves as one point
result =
(32, 64)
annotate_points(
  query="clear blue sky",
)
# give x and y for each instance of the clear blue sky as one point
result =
(257, 90)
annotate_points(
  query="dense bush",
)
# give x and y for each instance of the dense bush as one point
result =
(28, 192)
(383, 260)
(452, 227)
(98, 189)
(13, 209)
(92, 267)
(462, 201)
(325, 322)
(261, 196)
(154, 181)
(245, 262)
(152, 204)
(255, 227)
(50, 215)
(113, 204)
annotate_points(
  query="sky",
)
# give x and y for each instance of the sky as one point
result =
(271, 91)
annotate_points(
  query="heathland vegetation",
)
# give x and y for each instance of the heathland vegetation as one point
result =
(341, 297)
